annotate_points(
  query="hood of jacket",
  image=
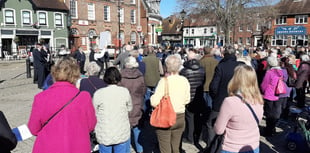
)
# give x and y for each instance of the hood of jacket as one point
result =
(229, 57)
(192, 64)
(131, 73)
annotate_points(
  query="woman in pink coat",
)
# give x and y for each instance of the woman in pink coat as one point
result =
(272, 105)
(68, 131)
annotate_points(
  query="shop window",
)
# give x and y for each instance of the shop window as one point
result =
(279, 40)
(299, 40)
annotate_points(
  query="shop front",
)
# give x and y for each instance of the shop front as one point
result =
(13, 40)
(290, 36)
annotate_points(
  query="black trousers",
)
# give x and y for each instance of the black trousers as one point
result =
(189, 126)
(210, 123)
(272, 111)
(301, 97)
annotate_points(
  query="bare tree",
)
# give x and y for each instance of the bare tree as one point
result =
(228, 13)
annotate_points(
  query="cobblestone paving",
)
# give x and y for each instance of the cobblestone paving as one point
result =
(16, 96)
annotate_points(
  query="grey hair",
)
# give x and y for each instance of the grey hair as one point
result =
(131, 62)
(229, 50)
(272, 61)
(173, 63)
(92, 69)
(304, 57)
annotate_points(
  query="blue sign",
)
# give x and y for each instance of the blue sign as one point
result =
(291, 30)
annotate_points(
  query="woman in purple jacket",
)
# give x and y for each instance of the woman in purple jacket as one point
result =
(68, 130)
(273, 106)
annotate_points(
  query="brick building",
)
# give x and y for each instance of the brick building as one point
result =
(117, 21)
(291, 27)
(89, 18)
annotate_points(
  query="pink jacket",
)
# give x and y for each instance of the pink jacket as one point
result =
(68, 131)
(239, 124)
(270, 82)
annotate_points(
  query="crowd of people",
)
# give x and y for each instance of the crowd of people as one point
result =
(222, 91)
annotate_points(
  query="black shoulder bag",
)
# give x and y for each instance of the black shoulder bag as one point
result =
(8, 140)
(61, 109)
(251, 109)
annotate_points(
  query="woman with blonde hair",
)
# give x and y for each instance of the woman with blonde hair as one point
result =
(235, 120)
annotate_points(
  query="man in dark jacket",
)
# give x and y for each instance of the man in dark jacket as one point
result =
(196, 76)
(218, 86)
(81, 58)
(39, 64)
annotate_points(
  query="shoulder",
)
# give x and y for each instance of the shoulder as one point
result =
(232, 102)
(85, 95)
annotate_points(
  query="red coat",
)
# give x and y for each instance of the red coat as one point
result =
(68, 131)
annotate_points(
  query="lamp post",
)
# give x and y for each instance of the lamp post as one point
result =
(119, 27)
(183, 14)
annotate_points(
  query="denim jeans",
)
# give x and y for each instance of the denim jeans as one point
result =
(208, 99)
(135, 136)
(119, 148)
(252, 151)
(147, 105)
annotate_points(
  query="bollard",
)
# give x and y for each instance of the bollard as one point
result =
(28, 68)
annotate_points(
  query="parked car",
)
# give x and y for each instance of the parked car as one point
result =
(112, 51)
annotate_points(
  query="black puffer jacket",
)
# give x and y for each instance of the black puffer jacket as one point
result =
(196, 76)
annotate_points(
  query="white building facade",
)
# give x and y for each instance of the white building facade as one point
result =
(199, 36)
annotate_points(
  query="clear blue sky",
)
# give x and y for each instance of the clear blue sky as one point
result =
(167, 7)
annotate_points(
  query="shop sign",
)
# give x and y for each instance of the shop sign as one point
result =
(291, 30)
(26, 32)
(83, 22)
(159, 29)
(47, 33)
(6, 32)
